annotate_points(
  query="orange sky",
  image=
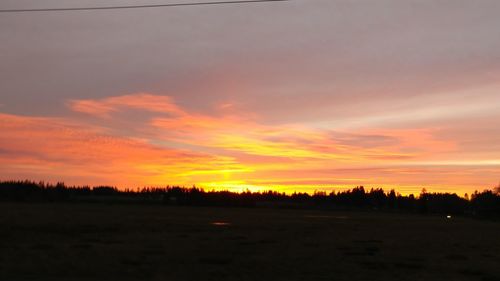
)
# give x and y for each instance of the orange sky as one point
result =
(290, 96)
(169, 145)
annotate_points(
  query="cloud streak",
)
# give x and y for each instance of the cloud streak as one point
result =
(179, 146)
(142, 101)
(83, 154)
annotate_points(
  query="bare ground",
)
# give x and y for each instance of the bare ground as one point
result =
(120, 242)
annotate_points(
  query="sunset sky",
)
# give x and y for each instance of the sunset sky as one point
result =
(302, 95)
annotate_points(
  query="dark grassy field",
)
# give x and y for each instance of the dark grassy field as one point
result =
(99, 242)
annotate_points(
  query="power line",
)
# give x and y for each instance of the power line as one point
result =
(137, 6)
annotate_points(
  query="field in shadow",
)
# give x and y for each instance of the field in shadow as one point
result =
(119, 242)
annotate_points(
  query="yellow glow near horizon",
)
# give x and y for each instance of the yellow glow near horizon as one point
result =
(232, 152)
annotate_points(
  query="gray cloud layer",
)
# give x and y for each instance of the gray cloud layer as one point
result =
(295, 61)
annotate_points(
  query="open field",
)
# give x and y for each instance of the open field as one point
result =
(120, 242)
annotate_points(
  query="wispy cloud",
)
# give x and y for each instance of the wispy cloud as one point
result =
(63, 149)
(230, 149)
(142, 101)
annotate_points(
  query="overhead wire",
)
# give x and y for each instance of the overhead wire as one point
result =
(138, 6)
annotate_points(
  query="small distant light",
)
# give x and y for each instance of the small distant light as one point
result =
(448, 217)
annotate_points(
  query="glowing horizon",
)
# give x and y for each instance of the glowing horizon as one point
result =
(169, 145)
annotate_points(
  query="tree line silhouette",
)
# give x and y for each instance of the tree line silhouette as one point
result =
(484, 204)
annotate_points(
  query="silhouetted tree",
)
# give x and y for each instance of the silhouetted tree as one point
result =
(485, 204)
